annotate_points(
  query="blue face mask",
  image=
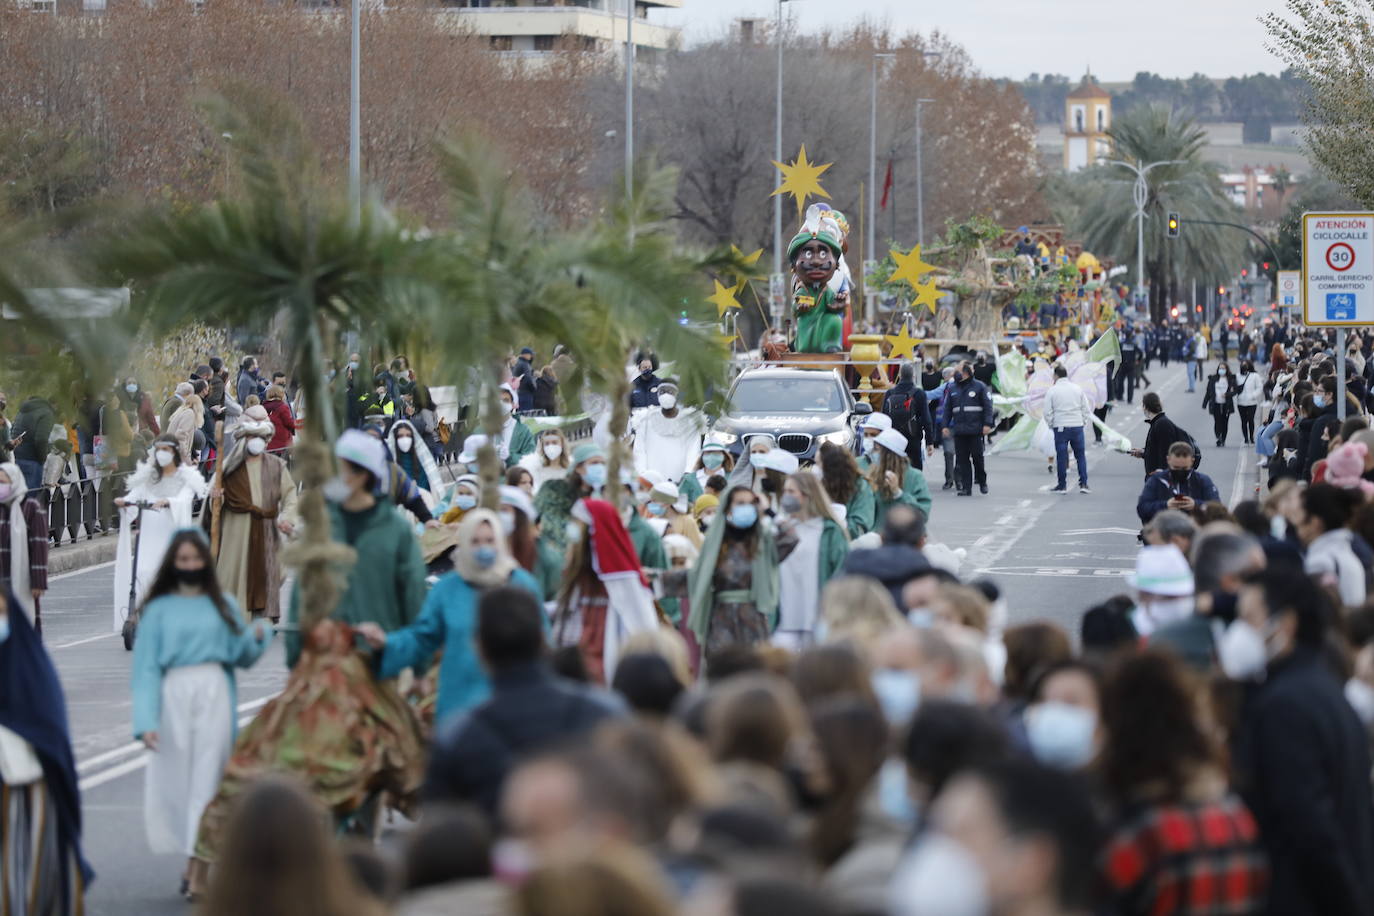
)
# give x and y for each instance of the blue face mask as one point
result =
(899, 694)
(712, 460)
(894, 795)
(1318, 400)
(464, 501)
(594, 475)
(658, 509)
(1061, 735)
(4, 628)
(485, 556)
(744, 515)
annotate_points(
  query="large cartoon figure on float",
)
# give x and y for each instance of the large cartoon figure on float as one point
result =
(817, 256)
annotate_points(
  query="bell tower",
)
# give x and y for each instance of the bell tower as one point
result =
(1087, 118)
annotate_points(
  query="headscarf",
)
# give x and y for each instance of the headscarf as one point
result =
(31, 706)
(253, 422)
(419, 452)
(763, 581)
(497, 573)
(19, 538)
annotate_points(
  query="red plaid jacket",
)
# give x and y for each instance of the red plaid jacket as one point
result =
(1188, 860)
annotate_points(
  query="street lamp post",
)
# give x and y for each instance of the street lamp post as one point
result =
(629, 102)
(355, 143)
(1141, 195)
(920, 179)
(871, 241)
(776, 294)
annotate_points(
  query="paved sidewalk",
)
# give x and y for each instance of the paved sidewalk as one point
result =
(73, 556)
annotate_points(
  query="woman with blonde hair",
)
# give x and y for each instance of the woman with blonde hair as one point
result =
(550, 458)
(859, 609)
(812, 546)
(184, 422)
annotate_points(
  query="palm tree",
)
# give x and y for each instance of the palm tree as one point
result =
(287, 247)
(1107, 221)
(506, 275)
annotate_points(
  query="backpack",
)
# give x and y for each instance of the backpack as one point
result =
(903, 416)
(1188, 437)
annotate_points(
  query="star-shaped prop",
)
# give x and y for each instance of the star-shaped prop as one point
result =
(910, 267)
(723, 298)
(927, 294)
(903, 344)
(749, 260)
(727, 341)
(801, 179)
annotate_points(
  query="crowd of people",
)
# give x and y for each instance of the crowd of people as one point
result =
(730, 682)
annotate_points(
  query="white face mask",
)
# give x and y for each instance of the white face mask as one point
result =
(404, 443)
(163, 457)
(553, 451)
(256, 446)
(1243, 652)
(1061, 735)
(1164, 611)
(939, 876)
(667, 401)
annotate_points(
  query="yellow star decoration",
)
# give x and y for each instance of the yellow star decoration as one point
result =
(727, 340)
(903, 344)
(927, 294)
(749, 261)
(910, 267)
(723, 298)
(801, 179)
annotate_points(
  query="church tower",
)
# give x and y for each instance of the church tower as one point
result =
(1087, 117)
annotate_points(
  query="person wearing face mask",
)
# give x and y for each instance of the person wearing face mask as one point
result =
(668, 510)
(644, 389)
(184, 422)
(23, 545)
(1061, 718)
(191, 637)
(1176, 487)
(172, 488)
(410, 455)
(463, 498)
(846, 486)
(386, 585)
(1180, 841)
(705, 510)
(812, 546)
(967, 416)
(138, 407)
(1009, 837)
(556, 497)
(894, 481)
(714, 459)
(520, 525)
(872, 426)
(402, 489)
(515, 441)
(448, 619)
(667, 438)
(1222, 559)
(1163, 582)
(38, 775)
(258, 507)
(1300, 755)
(1220, 399)
(550, 458)
(734, 586)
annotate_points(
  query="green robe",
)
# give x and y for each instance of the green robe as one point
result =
(548, 568)
(915, 493)
(521, 444)
(820, 328)
(763, 584)
(554, 501)
(861, 513)
(834, 550)
(648, 545)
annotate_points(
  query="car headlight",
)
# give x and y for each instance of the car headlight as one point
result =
(720, 437)
(838, 437)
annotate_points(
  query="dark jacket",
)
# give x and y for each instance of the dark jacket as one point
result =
(893, 565)
(546, 395)
(1302, 765)
(909, 409)
(530, 711)
(1224, 405)
(248, 385)
(1311, 448)
(525, 392)
(967, 408)
(1163, 433)
(645, 390)
(1160, 488)
(36, 418)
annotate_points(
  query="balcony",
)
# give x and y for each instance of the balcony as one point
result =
(552, 21)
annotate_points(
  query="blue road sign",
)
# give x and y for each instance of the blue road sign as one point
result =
(1340, 307)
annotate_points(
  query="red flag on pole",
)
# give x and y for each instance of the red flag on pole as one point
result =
(887, 185)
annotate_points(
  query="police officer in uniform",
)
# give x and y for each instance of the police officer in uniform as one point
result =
(967, 416)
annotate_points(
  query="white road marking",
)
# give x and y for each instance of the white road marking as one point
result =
(82, 570)
(82, 642)
(1238, 487)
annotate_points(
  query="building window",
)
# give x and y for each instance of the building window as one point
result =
(544, 42)
(1101, 119)
(1079, 119)
(500, 42)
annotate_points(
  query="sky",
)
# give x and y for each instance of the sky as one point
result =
(1014, 38)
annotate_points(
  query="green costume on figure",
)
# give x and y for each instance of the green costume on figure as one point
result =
(820, 321)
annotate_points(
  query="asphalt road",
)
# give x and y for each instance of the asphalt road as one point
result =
(1053, 556)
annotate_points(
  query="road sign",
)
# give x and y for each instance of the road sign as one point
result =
(1290, 289)
(1337, 269)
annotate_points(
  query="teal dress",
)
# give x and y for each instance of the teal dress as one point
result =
(448, 621)
(862, 510)
(915, 493)
(648, 545)
(177, 631)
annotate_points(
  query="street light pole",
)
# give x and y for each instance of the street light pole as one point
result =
(870, 243)
(629, 102)
(355, 143)
(1141, 195)
(920, 179)
(775, 294)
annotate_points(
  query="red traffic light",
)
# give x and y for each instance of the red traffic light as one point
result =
(1199, 308)
(1266, 265)
(1244, 272)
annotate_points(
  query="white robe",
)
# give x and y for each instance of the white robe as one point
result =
(799, 592)
(158, 525)
(668, 445)
(195, 737)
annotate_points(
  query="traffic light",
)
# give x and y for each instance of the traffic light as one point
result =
(1199, 307)
(1173, 312)
(1221, 290)
(1244, 272)
(1173, 225)
(1266, 267)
